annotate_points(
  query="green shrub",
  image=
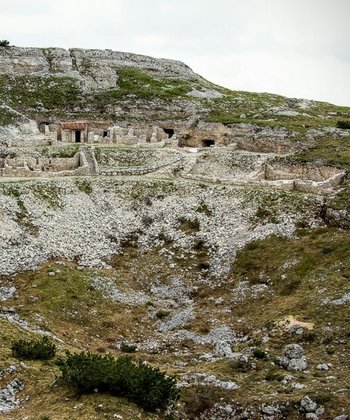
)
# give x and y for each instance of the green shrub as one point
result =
(4, 43)
(259, 354)
(37, 349)
(128, 348)
(138, 382)
(343, 124)
(273, 376)
(161, 314)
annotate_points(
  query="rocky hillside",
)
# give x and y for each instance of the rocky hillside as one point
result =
(210, 265)
(61, 84)
(241, 293)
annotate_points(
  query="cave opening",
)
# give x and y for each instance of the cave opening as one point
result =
(169, 131)
(208, 143)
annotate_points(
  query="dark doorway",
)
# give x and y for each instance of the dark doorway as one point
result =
(208, 143)
(169, 131)
(42, 126)
(105, 134)
(78, 136)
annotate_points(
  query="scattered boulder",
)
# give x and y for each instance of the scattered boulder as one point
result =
(308, 405)
(296, 329)
(209, 380)
(323, 366)
(7, 293)
(269, 410)
(293, 358)
(223, 349)
(312, 416)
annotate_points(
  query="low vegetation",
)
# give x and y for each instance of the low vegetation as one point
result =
(136, 381)
(36, 349)
(343, 124)
(53, 93)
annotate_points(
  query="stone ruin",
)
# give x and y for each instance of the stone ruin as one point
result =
(213, 152)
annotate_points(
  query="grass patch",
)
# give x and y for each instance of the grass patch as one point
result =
(326, 151)
(345, 125)
(189, 226)
(139, 84)
(22, 214)
(261, 261)
(48, 192)
(84, 185)
(24, 92)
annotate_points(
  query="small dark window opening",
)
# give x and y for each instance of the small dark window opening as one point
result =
(105, 134)
(208, 143)
(169, 131)
(77, 136)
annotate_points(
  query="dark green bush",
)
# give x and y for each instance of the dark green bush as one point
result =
(37, 349)
(138, 382)
(343, 124)
(259, 354)
(4, 43)
(128, 348)
(162, 314)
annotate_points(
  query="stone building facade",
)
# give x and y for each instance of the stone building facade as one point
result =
(84, 132)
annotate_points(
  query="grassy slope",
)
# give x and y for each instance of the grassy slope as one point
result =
(61, 95)
(301, 272)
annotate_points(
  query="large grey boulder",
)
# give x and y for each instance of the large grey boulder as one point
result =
(308, 405)
(293, 358)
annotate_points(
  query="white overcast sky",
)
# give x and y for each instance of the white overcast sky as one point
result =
(298, 48)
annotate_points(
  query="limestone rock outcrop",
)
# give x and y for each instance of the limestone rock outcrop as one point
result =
(93, 68)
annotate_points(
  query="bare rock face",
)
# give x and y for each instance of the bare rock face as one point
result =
(94, 69)
(8, 400)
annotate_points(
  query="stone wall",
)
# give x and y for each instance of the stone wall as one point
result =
(304, 172)
(37, 167)
(135, 161)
